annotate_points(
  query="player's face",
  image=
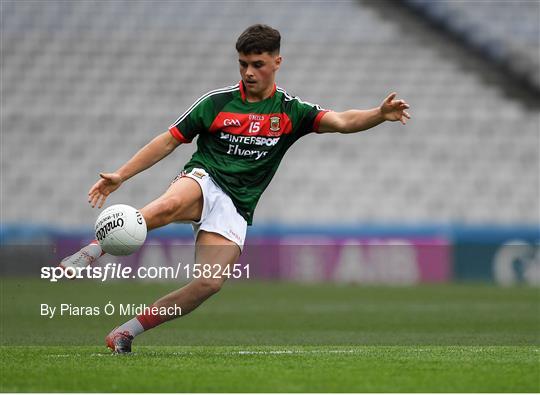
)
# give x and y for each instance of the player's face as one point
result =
(258, 73)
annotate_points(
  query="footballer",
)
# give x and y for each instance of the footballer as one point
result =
(243, 133)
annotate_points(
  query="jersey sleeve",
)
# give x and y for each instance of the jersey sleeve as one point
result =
(195, 120)
(307, 117)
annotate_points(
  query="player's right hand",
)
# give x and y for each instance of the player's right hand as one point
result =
(108, 183)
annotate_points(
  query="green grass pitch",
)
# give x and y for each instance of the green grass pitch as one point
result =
(277, 337)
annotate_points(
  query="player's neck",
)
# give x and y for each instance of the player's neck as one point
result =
(268, 92)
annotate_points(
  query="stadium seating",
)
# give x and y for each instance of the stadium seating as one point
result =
(508, 32)
(85, 84)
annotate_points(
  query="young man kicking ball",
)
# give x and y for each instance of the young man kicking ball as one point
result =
(243, 133)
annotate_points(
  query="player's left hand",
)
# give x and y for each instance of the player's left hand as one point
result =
(107, 184)
(393, 109)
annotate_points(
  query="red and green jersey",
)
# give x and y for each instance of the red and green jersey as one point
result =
(241, 143)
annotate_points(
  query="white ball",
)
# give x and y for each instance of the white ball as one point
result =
(120, 229)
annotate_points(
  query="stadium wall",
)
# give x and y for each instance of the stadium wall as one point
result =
(370, 254)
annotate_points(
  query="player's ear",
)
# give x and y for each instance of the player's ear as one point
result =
(277, 62)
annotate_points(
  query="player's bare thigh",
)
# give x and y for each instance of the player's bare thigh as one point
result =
(210, 241)
(183, 201)
(217, 251)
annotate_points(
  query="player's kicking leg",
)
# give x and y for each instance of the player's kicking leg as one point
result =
(184, 201)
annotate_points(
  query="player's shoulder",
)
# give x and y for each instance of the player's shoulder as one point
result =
(225, 89)
(207, 103)
(286, 96)
(219, 93)
(292, 99)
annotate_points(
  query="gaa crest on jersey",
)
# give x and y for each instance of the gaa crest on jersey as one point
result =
(274, 124)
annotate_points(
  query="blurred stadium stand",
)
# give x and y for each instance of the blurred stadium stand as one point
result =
(85, 84)
(507, 32)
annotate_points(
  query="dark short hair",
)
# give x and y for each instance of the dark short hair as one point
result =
(257, 39)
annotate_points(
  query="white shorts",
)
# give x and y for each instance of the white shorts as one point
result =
(219, 214)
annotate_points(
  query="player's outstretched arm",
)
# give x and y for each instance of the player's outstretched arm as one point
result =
(353, 121)
(150, 154)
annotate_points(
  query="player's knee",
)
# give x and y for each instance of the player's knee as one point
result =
(210, 286)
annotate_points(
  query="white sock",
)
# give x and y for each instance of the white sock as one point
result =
(94, 249)
(133, 326)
